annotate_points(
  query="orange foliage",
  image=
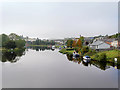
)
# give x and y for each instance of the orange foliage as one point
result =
(79, 43)
(74, 43)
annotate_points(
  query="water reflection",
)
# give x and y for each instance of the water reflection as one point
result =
(41, 48)
(12, 56)
(100, 65)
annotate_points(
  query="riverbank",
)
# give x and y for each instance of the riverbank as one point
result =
(110, 55)
(56, 46)
(67, 51)
(11, 50)
(40, 45)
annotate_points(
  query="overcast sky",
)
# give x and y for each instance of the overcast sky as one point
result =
(60, 19)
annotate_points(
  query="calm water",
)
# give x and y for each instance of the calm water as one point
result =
(42, 68)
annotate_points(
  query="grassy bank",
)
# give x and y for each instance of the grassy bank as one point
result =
(110, 55)
(67, 51)
(56, 46)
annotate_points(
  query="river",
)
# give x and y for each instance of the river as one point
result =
(51, 69)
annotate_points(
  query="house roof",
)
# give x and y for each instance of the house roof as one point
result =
(108, 40)
(97, 43)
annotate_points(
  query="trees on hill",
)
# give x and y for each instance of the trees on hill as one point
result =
(117, 35)
(3, 39)
(10, 41)
(41, 42)
(73, 43)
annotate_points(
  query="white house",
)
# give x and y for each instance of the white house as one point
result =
(99, 45)
(114, 43)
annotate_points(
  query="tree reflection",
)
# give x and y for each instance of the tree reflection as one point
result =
(12, 56)
(40, 48)
(98, 64)
(73, 59)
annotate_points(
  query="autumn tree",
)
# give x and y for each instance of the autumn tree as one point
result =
(74, 43)
(79, 43)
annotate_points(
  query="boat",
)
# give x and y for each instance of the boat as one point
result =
(86, 59)
(53, 47)
(75, 54)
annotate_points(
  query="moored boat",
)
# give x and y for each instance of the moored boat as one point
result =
(86, 59)
(75, 54)
(53, 47)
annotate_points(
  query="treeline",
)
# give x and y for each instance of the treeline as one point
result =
(43, 42)
(75, 43)
(78, 46)
(9, 42)
(117, 35)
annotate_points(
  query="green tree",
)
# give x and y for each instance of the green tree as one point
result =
(82, 39)
(10, 44)
(20, 43)
(69, 43)
(14, 36)
(3, 39)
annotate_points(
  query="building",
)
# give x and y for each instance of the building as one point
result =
(88, 40)
(30, 39)
(99, 45)
(114, 43)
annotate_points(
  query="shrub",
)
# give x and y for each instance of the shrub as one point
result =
(96, 56)
(102, 57)
(85, 50)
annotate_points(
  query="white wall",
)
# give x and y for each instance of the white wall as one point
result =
(114, 43)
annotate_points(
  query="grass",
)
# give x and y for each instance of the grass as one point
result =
(67, 51)
(110, 55)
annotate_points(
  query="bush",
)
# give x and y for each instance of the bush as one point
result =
(102, 57)
(96, 56)
(85, 50)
